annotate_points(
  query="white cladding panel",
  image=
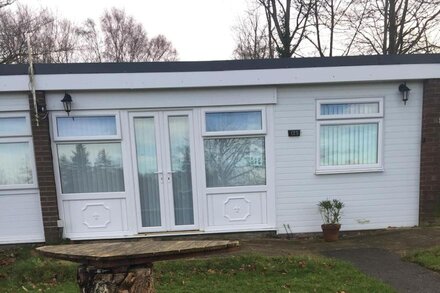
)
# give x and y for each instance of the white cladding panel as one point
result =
(152, 99)
(20, 217)
(95, 218)
(373, 200)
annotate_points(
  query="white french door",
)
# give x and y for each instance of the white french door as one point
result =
(163, 150)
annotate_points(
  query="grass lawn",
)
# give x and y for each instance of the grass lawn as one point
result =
(429, 258)
(22, 270)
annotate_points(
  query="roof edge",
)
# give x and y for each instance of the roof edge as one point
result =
(222, 65)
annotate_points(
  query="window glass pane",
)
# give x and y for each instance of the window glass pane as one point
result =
(90, 167)
(15, 163)
(181, 170)
(86, 126)
(148, 177)
(13, 126)
(233, 121)
(350, 108)
(349, 144)
(235, 161)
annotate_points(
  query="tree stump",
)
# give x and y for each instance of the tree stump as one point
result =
(135, 279)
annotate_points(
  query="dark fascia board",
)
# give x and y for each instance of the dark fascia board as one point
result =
(192, 66)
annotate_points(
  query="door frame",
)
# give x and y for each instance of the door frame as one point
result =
(163, 158)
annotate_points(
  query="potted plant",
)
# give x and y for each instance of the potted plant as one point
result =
(331, 215)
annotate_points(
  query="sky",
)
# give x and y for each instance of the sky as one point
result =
(198, 29)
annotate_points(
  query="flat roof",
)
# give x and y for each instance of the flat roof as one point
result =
(226, 65)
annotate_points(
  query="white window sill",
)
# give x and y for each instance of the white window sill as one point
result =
(349, 171)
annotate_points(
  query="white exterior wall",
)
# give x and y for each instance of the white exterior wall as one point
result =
(20, 210)
(372, 200)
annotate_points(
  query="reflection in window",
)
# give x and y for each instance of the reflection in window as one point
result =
(11, 126)
(90, 167)
(233, 121)
(15, 163)
(235, 161)
(349, 144)
(181, 170)
(86, 126)
(350, 108)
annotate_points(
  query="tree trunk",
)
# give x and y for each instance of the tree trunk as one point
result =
(123, 280)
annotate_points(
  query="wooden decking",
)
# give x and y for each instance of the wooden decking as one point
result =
(115, 254)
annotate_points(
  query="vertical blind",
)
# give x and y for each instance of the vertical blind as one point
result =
(349, 144)
(349, 108)
(86, 126)
(181, 170)
(12, 126)
(233, 121)
(15, 163)
(146, 156)
(90, 167)
(235, 161)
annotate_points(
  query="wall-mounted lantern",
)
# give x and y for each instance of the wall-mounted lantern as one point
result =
(67, 103)
(404, 90)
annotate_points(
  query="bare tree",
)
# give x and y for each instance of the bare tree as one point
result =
(52, 39)
(91, 45)
(290, 20)
(252, 36)
(333, 28)
(160, 49)
(122, 39)
(400, 27)
(4, 3)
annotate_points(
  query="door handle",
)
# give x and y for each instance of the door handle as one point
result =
(169, 173)
(160, 173)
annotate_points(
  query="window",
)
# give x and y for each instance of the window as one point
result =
(90, 167)
(86, 127)
(349, 135)
(13, 126)
(234, 147)
(89, 154)
(233, 121)
(16, 151)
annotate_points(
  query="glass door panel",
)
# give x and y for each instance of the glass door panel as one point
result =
(180, 159)
(147, 169)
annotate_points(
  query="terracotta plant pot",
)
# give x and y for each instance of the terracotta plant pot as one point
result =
(331, 232)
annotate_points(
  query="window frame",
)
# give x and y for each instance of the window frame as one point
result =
(28, 131)
(261, 131)
(236, 134)
(320, 102)
(349, 119)
(117, 136)
(56, 140)
(25, 137)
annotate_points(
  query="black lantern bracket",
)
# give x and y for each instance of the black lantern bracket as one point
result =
(67, 103)
(404, 90)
